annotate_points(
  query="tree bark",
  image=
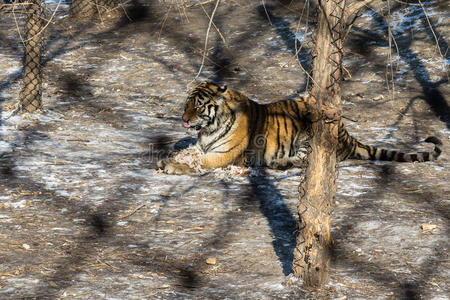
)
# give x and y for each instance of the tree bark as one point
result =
(317, 192)
(30, 95)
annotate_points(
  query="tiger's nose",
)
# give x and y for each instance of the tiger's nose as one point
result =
(185, 122)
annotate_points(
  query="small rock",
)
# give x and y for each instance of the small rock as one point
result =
(26, 246)
(211, 261)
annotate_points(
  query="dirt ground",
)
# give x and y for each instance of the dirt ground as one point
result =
(85, 215)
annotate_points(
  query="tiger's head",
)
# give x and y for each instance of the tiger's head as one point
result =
(202, 105)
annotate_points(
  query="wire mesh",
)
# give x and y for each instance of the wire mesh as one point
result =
(30, 95)
(87, 9)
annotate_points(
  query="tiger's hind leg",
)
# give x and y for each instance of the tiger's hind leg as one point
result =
(300, 157)
(298, 161)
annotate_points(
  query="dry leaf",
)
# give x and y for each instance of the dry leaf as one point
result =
(428, 227)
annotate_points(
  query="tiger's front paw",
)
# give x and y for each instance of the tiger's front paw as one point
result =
(174, 168)
(163, 162)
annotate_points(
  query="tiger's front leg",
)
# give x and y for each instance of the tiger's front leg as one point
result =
(207, 161)
(220, 160)
(170, 166)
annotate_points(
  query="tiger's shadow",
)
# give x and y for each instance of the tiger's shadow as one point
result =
(263, 193)
(184, 143)
(281, 221)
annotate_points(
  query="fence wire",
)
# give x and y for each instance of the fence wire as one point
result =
(30, 95)
(87, 9)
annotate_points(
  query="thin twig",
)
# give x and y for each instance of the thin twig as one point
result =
(132, 212)
(227, 47)
(298, 49)
(97, 6)
(107, 264)
(267, 13)
(407, 3)
(432, 31)
(348, 118)
(390, 39)
(200, 3)
(354, 7)
(46, 25)
(163, 22)
(125, 11)
(40, 31)
(206, 40)
(15, 4)
(215, 27)
(17, 25)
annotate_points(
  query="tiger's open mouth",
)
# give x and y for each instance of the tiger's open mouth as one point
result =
(187, 125)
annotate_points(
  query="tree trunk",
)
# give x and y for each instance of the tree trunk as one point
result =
(82, 9)
(30, 95)
(317, 192)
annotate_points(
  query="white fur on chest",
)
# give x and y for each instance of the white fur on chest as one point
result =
(217, 141)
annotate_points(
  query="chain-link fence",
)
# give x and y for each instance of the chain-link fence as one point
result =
(88, 9)
(32, 37)
(30, 95)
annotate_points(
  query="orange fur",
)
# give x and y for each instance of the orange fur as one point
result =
(233, 129)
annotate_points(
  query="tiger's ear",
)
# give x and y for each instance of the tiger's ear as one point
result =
(222, 88)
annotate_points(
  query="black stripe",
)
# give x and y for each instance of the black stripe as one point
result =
(353, 151)
(372, 152)
(292, 146)
(221, 144)
(228, 150)
(286, 132)
(253, 126)
(342, 132)
(225, 131)
(296, 110)
(437, 151)
(202, 95)
(391, 154)
(284, 121)
(401, 157)
(294, 124)
(383, 155)
(278, 135)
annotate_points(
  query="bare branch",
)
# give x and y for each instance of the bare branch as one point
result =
(355, 6)
(206, 40)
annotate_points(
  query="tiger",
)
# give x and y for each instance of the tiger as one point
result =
(234, 130)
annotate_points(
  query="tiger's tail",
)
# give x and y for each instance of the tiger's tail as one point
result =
(350, 148)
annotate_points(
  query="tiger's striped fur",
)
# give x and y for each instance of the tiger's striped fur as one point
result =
(233, 129)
